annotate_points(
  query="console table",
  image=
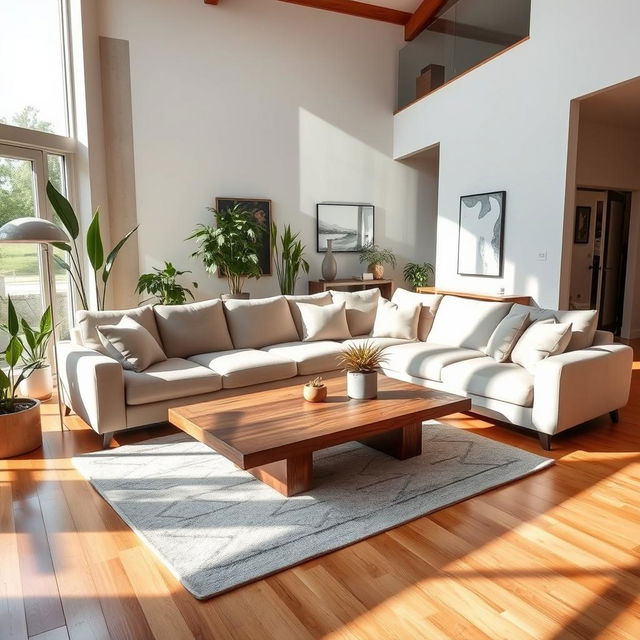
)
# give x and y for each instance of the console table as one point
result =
(386, 286)
(514, 299)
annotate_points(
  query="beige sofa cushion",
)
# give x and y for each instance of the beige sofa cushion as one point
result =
(506, 335)
(89, 321)
(425, 360)
(310, 357)
(320, 299)
(131, 344)
(485, 377)
(376, 342)
(173, 378)
(323, 323)
(361, 309)
(540, 341)
(188, 329)
(396, 321)
(429, 302)
(463, 322)
(257, 323)
(244, 367)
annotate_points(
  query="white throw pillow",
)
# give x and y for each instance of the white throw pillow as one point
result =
(131, 344)
(430, 303)
(540, 341)
(506, 335)
(361, 309)
(394, 321)
(323, 323)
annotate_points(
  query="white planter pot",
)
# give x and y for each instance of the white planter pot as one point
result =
(38, 385)
(362, 386)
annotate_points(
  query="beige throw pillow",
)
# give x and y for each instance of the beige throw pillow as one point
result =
(323, 322)
(540, 341)
(319, 299)
(131, 344)
(394, 321)
(506, 336)
(361, 309)
(430, 303)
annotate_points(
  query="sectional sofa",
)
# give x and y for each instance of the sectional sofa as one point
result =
(213, 349)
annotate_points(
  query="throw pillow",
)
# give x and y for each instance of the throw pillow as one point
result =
(361, 309)
(540, 341)
(131, 344)
(395, 321)
(319, 299)
(430, 303)
(323, 323)
(506, 335)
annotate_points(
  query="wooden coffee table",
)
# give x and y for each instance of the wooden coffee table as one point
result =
(273, 434)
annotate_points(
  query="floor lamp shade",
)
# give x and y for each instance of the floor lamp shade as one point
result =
(32, 231)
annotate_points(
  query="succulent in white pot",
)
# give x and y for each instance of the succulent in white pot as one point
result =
(38, 382)
(361, 361)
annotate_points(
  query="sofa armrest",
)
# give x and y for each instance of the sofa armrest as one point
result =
(574, 387)
(93, 386)
(602, 338)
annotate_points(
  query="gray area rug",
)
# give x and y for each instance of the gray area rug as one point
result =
(217, 527)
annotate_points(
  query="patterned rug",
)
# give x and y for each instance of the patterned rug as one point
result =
(217, 527)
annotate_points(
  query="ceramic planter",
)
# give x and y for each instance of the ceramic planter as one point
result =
(20, 432)
(39, 384)
(362, 386)
(377, 270)
(314, 394)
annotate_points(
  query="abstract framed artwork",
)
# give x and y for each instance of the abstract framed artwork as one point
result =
(261, 209)
(582, 227)
(350, 226)
(481, 234)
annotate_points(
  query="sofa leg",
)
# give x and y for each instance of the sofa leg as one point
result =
(67, 410)
(106, 440)
(545, 440)
(615, 416)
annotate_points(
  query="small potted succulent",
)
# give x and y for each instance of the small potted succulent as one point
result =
(376, 257)
(418, 275)
(361, 361)
(315, 390)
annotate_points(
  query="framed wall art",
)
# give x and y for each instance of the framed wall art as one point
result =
(350, 226)
(582, 227)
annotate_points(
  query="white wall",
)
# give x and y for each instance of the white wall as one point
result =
(506, 126)
(264, 99)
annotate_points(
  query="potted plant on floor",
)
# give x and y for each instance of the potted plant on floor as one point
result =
(20, 430)
(289, 258)
(163, 285)
(315, 390)
(376, 257)
(39, 382)
(361, 361)
(418, 275)
(232, 246)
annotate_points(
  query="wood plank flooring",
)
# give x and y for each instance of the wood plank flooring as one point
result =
(555, 556)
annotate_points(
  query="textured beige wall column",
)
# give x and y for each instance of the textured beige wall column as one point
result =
(120, 169)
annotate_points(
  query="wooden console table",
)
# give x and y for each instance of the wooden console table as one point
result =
(386, 286)
(514, 299)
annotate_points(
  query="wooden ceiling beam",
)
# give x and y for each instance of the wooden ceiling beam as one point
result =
(422, 18)
(360, 9)
(211, 1)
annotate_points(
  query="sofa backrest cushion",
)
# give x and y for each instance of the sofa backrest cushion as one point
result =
(430, 303)
(396, 321)
(326, 322)
(258, 323)
(541, 340)
(361, 309)
(319, 299)
(89, 321)
(583, 323)
(190, 329)
(506, 336)
(464, 322)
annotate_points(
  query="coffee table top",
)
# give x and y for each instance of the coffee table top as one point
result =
(258, 428)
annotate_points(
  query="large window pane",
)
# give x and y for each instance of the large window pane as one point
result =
(32, 77)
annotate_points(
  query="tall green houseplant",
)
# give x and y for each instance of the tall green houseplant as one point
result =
(289, 258)
(101, 266)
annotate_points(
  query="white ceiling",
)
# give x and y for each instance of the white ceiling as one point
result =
(617, 105)
(401, 5)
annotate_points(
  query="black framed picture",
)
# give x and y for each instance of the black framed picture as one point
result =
(582, 228)
(261, 209)
(350, 227)
(481, 234)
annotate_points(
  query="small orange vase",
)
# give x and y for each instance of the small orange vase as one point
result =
(314, 394)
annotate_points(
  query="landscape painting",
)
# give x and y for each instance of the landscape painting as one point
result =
(481, 234)
(261, 209)
(350, 226)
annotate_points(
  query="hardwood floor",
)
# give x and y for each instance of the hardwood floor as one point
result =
(553, 556)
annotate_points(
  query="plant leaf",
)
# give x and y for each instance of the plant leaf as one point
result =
(111, 258)
(94, 243)
(13, 325)
(13, 352)
(45, 320)
(63, 246)
(64, 210)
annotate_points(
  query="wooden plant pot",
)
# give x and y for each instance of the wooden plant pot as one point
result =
(236, 296)
(315, 394)
(377, 270)
(20, 432)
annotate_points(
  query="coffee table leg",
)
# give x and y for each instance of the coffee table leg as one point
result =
(289, 476)
(402, 443)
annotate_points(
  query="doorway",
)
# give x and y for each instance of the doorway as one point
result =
(599, 259)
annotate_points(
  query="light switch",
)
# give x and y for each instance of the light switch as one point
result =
(542, 255)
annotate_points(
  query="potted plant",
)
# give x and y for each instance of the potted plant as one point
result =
(39, 382)
(289, 258)
(418, 275)
(376, 257)
(20, 430)
(361, 361)
(315, 390)
(163, 285)
(232, 246)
